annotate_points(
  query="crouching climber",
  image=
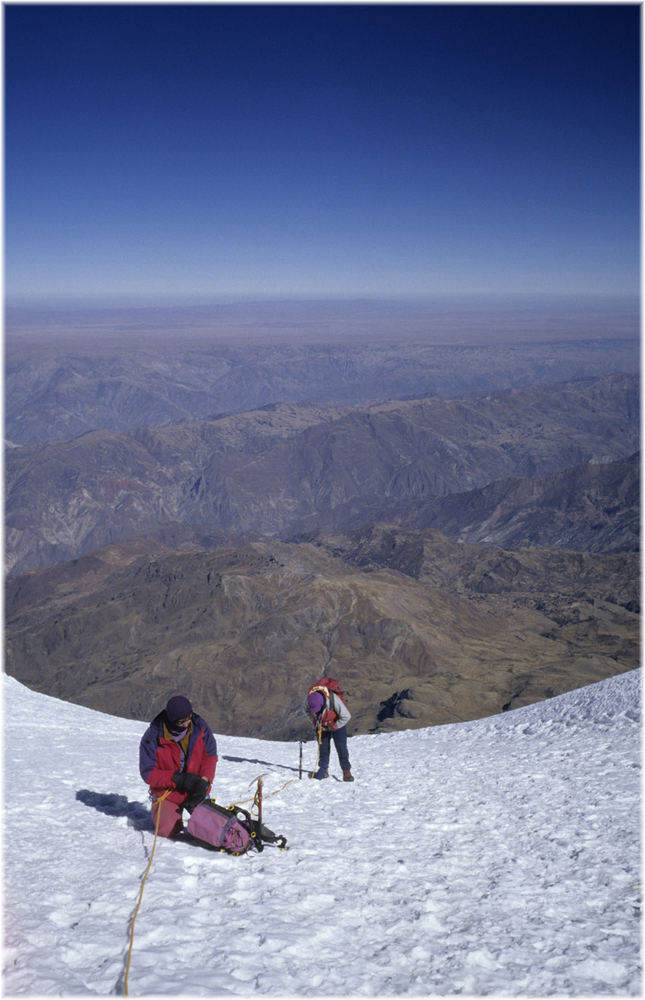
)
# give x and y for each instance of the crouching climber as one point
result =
(178, 754)
(330, 715)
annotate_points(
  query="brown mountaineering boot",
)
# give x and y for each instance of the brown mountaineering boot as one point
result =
(347, 776)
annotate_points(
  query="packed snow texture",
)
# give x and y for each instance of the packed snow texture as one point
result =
(496, 857)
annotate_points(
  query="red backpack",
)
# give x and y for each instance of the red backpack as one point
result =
(327, 685)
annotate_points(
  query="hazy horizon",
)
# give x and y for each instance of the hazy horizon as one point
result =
(431, 319)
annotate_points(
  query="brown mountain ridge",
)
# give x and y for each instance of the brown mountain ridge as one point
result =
(421, 630)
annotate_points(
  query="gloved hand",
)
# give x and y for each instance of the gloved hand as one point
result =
(190, 783)
(197, 794)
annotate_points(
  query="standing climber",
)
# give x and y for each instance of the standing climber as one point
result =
(330, 715)
(178, 753)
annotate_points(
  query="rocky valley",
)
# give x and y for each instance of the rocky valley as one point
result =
(421, 630)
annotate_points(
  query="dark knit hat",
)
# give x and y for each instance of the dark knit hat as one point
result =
(178, 707)
(315, 702)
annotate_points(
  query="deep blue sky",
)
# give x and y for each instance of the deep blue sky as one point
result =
(211, 150)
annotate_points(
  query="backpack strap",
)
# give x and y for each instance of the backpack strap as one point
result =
(322, 689)
(260, 834)
(269, 837)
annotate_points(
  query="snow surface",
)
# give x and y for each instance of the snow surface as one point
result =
(497, 857)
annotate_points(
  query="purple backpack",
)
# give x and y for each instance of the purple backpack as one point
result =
(231, 830)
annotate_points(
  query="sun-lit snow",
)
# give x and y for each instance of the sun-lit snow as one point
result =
(497, 857)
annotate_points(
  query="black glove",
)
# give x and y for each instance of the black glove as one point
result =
(197, 795)
(191, 783)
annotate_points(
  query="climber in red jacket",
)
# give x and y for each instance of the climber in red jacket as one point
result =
(178, 752)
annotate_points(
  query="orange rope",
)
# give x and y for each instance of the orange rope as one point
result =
(143, 882)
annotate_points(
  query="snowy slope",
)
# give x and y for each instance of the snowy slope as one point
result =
(494, 857)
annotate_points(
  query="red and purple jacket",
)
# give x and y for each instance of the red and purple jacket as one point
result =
(160, 757)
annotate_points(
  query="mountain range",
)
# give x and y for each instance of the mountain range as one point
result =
(64, 379)
(451, 552)
(288, 469)
(594, 507)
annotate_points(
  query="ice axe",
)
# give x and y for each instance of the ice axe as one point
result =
(258, 801)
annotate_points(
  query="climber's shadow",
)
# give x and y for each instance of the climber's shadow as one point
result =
(138, 815)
